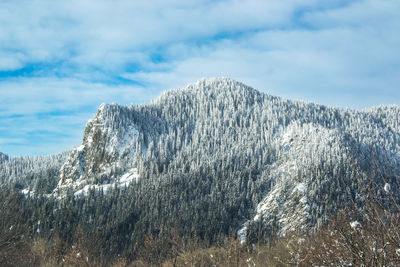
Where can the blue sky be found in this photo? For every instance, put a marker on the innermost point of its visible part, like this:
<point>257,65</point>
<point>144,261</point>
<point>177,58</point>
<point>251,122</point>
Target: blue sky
<point>59,60</point>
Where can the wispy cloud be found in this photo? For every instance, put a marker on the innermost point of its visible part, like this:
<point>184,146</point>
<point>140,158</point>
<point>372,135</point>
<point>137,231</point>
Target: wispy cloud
<point>60,60</point>
<point>48,115</point>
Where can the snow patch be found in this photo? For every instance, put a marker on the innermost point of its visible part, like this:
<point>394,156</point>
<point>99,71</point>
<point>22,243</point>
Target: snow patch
<point>287,138</point>
<point>387,187</point>
<point>301,188</point>
<point>124,181</point>
<point>128,177</point>
<point>28,193</point>
<point>242,232</point>
<point>102,106</point>
<point>355,224</point>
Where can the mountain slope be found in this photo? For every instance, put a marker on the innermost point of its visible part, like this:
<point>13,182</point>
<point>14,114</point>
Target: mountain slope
<point>216,154</point>
<point>292,162</point>
<point>32,174</point>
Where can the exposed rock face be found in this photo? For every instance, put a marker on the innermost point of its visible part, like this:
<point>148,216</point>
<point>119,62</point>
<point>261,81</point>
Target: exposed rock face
<point>108,149</point>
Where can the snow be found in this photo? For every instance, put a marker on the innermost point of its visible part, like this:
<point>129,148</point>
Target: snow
<point>355,224</point>
<point>304,200</point>
<point>287,138</point>
<point>242,232</point>
<point>144,150</point>
<point>124,181</point>
<point>101,107</point>
<point>124,143</point>
<point>301,188</point>
<point>28,193</point>
<point>268,203</point>
<point>25,191</point>
<point>128,177</point>
<point>301,146</point>
<point>119,144</point>
<point>84,191</point>
<point>387,187</point>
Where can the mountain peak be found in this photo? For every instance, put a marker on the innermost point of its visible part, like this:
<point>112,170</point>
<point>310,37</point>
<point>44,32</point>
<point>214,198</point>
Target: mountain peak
<point>217,83</point>
<point>3,157</point>
<point>214,80</point>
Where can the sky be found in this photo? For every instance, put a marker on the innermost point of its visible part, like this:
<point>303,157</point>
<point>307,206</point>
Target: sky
<point>59,60</point>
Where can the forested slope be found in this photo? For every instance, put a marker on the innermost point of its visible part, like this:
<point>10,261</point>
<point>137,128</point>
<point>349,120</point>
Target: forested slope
<point>205,160</point>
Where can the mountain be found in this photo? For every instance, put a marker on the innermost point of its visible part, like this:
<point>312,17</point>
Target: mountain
<point>294,151</point>
<point>216,155</point>
<point>39,173</point>
<point>3,157</point>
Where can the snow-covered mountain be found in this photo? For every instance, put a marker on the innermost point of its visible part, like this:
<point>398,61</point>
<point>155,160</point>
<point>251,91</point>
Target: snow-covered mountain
<point>262,159</point>
<point>3,157</point>
<point>106,156</point>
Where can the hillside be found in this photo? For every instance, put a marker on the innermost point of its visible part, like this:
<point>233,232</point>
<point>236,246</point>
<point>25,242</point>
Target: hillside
<point>211,159</point>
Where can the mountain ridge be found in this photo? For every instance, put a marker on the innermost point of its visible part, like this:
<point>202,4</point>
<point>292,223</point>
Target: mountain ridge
<point>233,154</point>
<point>241,99</point>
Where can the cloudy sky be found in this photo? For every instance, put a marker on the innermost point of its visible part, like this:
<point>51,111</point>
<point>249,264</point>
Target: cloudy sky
<point>60,59</point>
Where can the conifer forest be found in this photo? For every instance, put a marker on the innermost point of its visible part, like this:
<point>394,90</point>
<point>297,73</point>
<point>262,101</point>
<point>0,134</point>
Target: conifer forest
<point>214,174</point>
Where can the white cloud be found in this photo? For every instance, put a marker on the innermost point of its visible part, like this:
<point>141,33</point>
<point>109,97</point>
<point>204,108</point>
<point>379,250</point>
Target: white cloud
<point>111,33</point>
<point>328,64</point>
<point>48,115</point>
<point>329,52</point>
<point>37,95</point>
